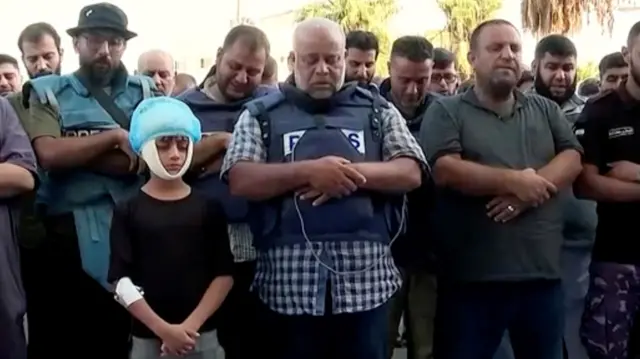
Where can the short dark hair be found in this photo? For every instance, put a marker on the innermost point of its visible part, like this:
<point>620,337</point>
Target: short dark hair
<point>271,68</point>
<point>525,76</point>
<point>555,45</point>
<point>633,33</point>
<point>443,58</point>
<point>413,48</point>
<point>251,36</point>
<point>363,40</point>
<point>611,61</point>
<point>36,31</point>
<point>475,34</point>
<point>589,87</point>
<point>8,59</point>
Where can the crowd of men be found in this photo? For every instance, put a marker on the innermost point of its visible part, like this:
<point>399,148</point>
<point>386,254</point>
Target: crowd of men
<point>326,209</point>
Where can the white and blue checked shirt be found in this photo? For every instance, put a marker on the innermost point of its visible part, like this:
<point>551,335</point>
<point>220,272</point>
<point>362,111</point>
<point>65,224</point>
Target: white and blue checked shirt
<point>289,279</point>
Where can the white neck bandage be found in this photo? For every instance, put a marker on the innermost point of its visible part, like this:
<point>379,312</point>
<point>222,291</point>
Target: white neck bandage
<point>149,154</point>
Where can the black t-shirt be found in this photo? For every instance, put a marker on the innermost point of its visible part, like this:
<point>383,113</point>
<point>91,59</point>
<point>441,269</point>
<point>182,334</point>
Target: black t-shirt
<point>609,128</point>
<point>172,250</point>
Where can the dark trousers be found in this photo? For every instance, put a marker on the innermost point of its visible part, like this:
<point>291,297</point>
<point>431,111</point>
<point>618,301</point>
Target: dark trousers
<point>472,318</point>
<point>238,329</point>
<point>333,336</point>
<point>65,305</point>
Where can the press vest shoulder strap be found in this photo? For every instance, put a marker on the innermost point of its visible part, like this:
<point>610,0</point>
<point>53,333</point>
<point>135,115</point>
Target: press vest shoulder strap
<point>145,83</point>
<point>46,89</point>
<point>264,104</point>
<point>259,109</point>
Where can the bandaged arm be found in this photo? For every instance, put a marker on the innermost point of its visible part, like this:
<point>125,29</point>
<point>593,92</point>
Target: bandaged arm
<point>130,296</point>
<point>120,269</point>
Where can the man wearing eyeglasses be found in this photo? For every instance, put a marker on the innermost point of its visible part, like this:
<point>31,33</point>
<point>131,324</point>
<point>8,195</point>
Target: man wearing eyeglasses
<point>444,78</point>
<point>79,132</point>
<point>158,65</point>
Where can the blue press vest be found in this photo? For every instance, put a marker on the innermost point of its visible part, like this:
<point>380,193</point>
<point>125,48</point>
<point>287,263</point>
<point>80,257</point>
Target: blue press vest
<point>89,196</point>
<point>352,130</point>
<point>217,117</point>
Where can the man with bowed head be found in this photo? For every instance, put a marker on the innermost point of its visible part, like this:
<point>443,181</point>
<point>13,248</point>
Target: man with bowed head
<point>78,128</point>
<point>326,165</point>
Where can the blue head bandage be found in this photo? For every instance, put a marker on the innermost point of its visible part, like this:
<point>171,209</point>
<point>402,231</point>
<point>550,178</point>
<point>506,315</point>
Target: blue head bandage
<point>158,117</point>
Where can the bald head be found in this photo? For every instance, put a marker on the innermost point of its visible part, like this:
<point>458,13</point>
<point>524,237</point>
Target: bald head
<point>322,41</point>
<point>158,65</point>
<point>317,26</point>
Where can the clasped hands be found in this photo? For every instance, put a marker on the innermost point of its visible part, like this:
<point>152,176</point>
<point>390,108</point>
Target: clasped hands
<point>330,177</point>
<point>527,189</point>
<point>178,339</point>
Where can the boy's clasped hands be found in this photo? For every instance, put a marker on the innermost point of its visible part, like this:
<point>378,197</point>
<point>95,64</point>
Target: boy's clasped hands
<point>178,339</point>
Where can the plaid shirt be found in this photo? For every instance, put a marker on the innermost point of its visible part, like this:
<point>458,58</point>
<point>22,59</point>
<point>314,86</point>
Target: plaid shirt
<point>289,279</point>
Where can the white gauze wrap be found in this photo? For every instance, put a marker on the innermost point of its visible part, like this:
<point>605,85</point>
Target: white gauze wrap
<point>127,293</point>
<point>150,156</point>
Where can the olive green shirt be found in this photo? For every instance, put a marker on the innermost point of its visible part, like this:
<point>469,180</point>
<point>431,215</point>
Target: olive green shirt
<point>471,246</point>
<point>31,230</point>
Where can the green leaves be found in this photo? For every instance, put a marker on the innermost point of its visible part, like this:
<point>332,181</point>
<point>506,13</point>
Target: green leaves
<point>369,15</point>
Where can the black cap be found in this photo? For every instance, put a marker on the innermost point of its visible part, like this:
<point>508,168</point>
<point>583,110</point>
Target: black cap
<point>102,16</point>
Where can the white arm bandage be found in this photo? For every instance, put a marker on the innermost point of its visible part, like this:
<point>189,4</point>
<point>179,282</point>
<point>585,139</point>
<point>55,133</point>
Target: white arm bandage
<point>127,293</point>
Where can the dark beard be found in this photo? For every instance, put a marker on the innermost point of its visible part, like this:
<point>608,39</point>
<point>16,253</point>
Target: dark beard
<point>634,73</point>
<point>57,71</point>
<point>500,90</point>
<point>543,90</point>
<point>98,77</point>
<point>360,81</point>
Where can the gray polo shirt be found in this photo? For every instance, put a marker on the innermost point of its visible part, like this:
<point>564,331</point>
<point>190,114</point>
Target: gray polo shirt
<point>470,245</point>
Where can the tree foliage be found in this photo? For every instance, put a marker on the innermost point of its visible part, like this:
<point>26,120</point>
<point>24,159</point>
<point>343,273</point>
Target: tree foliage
<point>587,70</point>
<point>369,15</point>
<point>543,17</point>
<point>462,17</point>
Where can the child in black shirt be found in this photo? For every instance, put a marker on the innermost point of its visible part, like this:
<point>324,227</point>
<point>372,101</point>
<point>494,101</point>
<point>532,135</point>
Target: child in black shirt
<point>170,259</point>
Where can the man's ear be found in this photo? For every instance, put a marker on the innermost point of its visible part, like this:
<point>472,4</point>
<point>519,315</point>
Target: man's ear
<point>219,54</point>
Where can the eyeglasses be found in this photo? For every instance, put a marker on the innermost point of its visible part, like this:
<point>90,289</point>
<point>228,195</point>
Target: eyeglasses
<point>95,42</point>
<point>448,78</point>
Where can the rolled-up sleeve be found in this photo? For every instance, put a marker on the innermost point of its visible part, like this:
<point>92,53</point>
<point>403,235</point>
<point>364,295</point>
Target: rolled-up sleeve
<point>15,147</point>
<point>246,144</point>
<point>42,120</point>
<point>397,140</point>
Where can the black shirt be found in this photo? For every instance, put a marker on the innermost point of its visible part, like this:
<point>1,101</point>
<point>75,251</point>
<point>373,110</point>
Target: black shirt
<point>610,131</point>
<point>172,250</point>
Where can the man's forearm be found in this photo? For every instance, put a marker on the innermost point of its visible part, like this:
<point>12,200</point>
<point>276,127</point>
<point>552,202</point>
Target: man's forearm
<point>141,310</point>
<point>14,180</point>
<point>601,188</point>
<point>72,152</point>
<point>471,178</point>
<point>563,169</point>
<point>262,181</point>
<point>207,150</point>
<point>400,174</point>
<point>211,301</point>
<point>112,163</point>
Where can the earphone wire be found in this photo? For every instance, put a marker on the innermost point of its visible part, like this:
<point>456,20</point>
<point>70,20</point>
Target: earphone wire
<point>316,255</point>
